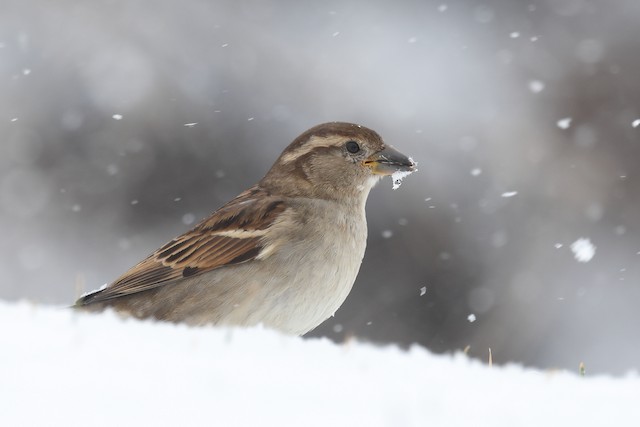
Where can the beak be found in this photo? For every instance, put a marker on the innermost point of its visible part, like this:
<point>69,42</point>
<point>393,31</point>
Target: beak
<point>388,161</point>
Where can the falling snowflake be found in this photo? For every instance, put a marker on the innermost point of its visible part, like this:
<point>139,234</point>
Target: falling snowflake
<point>536,86</point>
<point>564,123</point>
<point>583,250</point>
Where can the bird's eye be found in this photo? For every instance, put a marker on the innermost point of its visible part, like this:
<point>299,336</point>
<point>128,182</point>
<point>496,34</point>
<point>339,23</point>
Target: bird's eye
<point>352,147</point>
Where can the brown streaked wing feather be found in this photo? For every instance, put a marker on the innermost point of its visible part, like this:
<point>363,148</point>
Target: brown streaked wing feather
<point>203,248</point>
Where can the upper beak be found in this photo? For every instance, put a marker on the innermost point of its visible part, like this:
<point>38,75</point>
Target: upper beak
<point>388,161</point>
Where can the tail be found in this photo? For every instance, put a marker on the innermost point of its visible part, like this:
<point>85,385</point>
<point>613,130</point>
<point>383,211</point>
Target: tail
<point>90,301</point>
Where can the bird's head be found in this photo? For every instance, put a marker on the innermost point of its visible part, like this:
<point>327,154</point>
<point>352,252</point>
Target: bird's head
<point>335,161</point>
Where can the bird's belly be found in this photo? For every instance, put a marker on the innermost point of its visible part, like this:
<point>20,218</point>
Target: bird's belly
<point>297,298</point>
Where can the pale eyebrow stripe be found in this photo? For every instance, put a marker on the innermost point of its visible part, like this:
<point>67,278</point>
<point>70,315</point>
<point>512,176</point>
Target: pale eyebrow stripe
<point>313,143</point>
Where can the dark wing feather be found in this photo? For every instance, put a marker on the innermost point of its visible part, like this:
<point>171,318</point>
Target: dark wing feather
<point>231,235</point>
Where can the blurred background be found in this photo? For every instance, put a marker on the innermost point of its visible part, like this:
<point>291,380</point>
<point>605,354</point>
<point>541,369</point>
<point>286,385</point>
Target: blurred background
<point>123,123</point>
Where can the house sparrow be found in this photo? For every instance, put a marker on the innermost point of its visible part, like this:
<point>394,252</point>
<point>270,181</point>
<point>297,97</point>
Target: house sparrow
<point>284,253</point>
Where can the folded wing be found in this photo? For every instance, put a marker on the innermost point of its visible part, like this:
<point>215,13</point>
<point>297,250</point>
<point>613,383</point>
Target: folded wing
<point>231,235</point>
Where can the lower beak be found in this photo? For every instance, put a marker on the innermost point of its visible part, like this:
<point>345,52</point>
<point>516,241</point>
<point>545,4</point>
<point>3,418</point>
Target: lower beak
<point>388,161</point>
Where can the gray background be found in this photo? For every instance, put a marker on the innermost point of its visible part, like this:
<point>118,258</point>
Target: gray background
<point>459,85</point>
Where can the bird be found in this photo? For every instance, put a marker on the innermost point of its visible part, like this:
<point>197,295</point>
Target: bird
<point>283,254</point>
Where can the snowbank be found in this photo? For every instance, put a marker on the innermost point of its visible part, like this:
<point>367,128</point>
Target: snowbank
<point>64,368</point>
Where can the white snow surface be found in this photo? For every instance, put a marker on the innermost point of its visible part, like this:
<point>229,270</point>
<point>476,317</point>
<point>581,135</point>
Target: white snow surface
<point>60,367</point>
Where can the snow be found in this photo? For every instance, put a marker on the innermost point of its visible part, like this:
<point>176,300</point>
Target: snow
<point>398,176</point>
<point>583,250</point>
<point>635,123</point>
<point>423,291</point>
<point>117,117</point>
<point>564,123</point>
<point>536,86</point>
<point>508,194</point>
<point>66,368</point>
<point>112,169</point>
<point>188,218</point>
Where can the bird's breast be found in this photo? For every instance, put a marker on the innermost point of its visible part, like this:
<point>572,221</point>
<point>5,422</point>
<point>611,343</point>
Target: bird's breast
<point>313,264</point>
